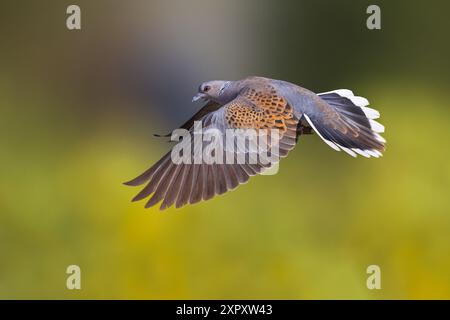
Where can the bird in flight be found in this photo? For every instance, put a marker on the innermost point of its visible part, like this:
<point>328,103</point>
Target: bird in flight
<point>342,120</point>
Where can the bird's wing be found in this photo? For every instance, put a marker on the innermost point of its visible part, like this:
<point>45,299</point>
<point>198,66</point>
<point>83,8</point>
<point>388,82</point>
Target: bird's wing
<point>181,183</point>
<point>209,107</point>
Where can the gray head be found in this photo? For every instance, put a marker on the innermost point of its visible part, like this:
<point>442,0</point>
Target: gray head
<point>216,90</point>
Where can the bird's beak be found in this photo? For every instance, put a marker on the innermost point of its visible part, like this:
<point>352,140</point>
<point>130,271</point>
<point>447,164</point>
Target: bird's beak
<point>199,96</point>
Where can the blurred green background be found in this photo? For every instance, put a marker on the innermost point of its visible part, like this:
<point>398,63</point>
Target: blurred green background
<point>77,113</point>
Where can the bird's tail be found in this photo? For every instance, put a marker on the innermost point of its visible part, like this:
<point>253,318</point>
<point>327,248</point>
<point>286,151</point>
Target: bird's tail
<point>354,130</point>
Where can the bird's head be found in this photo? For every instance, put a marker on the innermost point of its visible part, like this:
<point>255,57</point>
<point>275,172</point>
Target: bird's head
<point>212,90</point>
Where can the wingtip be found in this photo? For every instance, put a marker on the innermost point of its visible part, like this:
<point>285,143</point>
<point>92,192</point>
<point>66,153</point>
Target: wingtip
<point>163,207</point>
<point>136,198</point>
<point>148,205</point>
<point>131,183</point>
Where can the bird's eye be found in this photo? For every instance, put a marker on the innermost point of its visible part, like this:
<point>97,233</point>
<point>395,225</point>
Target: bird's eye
<point>206,88</point>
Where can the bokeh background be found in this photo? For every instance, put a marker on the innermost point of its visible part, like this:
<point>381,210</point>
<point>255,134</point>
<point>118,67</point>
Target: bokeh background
<point>77,114</point>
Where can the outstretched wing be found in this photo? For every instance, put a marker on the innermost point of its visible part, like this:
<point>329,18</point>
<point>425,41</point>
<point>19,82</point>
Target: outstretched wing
<point>182,183</point>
